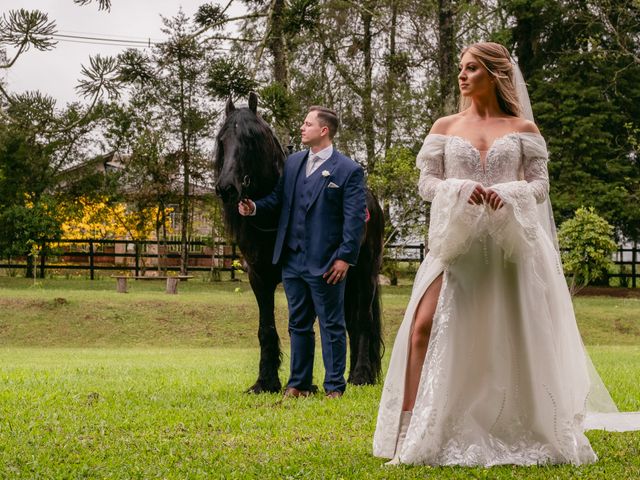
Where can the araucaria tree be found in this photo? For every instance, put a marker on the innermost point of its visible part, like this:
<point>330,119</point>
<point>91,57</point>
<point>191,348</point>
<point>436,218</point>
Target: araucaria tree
<point>171,115</point>
<point>38,140</point>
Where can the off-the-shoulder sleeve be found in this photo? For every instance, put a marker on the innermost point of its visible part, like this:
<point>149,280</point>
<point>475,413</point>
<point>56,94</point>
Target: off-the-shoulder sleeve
<point>534,161</point>
<point>430,162</point>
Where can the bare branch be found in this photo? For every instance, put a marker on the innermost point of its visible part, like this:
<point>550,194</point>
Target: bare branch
<point>363,9</point>
<point>102,4</point>
<point>6,95</point>
<point>224,10</point>
<point>621,42</point>
<point>101,77</point>
<point>223,21</point>
<point>23,29</point>
<point>263,42</point>
<point>342,69</point>
<point>18,53</point>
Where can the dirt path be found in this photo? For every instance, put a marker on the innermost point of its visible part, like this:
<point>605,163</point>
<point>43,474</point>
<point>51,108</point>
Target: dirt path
<point>610,292</point>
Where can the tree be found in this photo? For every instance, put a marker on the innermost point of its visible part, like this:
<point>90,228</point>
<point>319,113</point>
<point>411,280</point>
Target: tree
<point>39,140</point>
<point>101,218</point>
<point>350,56</point>
<point>274,33</point>
<point>174,116</point>
<point>582,82</point>
<point>149,180</point>
<point>395,180</point>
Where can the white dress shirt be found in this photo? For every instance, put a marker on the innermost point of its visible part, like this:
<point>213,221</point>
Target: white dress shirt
<point>313,163</point>
<point>316,159</point>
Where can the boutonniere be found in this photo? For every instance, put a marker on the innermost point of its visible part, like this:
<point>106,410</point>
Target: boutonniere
<point>325,173</point>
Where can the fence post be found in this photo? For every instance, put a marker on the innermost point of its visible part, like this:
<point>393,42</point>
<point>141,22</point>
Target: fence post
<point>91,259</point>
<point>421,252</point>
<point>43,261</point>
<point>136,248</point>
<point>634,253</point>
<point>233,258</point>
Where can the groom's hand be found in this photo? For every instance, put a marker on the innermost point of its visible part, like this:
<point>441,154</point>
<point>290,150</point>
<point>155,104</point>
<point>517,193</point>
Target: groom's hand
<point>337,272</point>
<point>246,207</point>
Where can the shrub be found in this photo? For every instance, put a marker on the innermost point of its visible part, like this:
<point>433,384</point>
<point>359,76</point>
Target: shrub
<point>587,243</point>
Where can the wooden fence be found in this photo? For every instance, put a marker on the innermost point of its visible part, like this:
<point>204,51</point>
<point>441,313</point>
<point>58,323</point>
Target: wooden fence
<point>626,260</point>
<point>136,256</point>
<point>140,256</point>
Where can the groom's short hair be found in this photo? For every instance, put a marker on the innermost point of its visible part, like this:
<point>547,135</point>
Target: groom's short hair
<point>327,118</point>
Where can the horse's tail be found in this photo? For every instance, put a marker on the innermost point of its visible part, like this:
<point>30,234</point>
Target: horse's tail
<point>376,343</point>
<point>376,223</point>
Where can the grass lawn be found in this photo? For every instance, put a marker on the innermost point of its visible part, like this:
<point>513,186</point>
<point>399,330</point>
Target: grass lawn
<point>146,385</point>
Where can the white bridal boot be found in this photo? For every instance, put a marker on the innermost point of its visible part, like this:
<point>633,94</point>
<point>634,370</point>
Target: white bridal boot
<point>405,420</point>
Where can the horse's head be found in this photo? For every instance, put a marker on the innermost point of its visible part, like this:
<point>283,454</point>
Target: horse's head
<point>249,157</point>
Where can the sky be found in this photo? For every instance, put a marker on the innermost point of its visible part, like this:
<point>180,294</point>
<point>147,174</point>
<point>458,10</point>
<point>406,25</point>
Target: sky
<point>56,72</point>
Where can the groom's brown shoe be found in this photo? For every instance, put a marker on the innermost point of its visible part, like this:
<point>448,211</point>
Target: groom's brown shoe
<point>293,392</point>
<point>333,394</point>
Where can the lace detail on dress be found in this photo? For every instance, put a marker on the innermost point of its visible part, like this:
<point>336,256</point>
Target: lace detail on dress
<point>430,162</point>
<point>535,159</point>
<point>536,173</point>
<point>453,222</point>
<point>515,156</point>
<point>492,451</point>
<point>444,429</point>
<point>515,226</point>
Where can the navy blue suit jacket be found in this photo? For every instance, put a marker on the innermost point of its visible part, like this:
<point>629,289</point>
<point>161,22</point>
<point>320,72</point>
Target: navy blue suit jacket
<point>335,219</point>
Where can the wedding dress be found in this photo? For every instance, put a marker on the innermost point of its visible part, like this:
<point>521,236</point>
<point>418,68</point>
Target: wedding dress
<point>506,379</point>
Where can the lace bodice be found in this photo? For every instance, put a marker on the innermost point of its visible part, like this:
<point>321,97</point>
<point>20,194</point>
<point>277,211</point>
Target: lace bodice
<point>512,157</point>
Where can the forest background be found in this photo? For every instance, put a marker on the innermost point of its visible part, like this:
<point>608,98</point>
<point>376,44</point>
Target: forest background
<point>388,67</point>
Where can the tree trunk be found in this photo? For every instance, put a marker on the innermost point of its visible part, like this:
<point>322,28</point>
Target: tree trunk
<point>392,80</point>
<point>368,116</point>
<point>186,172</point>
<point>447,57</point>
<point>165,247</point>
<point>524,36</point>
<point>184,233</point>
<point>278,46</point>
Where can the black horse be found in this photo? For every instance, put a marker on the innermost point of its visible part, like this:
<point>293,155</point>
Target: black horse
<point>249,162</point>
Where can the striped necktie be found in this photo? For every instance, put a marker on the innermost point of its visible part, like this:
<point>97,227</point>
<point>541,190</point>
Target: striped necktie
<point>312,162</point>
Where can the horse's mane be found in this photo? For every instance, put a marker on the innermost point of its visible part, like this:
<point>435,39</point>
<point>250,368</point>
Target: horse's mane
<point>262,155</point>
<point>252,131</point>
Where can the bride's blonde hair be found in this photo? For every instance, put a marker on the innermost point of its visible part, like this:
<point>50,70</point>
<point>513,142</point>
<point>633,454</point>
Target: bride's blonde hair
<point>497,60</point>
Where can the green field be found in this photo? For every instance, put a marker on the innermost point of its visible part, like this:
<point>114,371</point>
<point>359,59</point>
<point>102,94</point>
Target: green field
<point>146,385</point>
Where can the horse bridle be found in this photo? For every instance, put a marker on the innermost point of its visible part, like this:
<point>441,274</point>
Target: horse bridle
<point>246,181</point>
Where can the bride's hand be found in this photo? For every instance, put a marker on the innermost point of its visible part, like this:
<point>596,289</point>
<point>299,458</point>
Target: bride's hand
<point>477,196</point>
<point>493,199</point>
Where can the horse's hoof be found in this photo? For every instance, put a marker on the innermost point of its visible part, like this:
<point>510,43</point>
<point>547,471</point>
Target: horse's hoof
<point>358,382</point>
<point>361,377</point>
<point>260,387</point>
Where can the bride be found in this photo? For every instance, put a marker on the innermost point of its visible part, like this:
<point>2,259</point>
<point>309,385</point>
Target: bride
<point>488,366</point>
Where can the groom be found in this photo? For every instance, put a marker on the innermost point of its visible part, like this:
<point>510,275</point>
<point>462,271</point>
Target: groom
<point>320,201</point>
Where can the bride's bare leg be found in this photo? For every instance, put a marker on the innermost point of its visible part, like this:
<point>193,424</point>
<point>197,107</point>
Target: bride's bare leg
<point>419,340</point>
<point>418,343</point>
